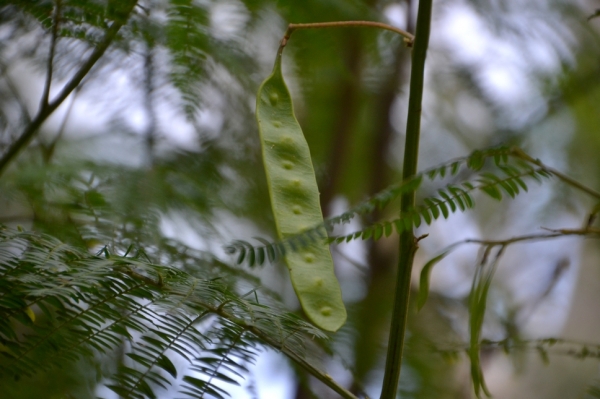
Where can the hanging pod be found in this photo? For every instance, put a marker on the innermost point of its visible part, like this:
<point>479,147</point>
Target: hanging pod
<point>295,202</point>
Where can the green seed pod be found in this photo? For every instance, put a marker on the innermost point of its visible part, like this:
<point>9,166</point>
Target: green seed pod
<point>295,202</point>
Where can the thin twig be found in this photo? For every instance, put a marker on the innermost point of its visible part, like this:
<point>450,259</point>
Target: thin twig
<point>361,267</point>
<point>49,151</point>
<point>559,233</point>
<point>517,152</point>
<point>408,37</point>
<point>55,22</point>
<point>26,117</point>
<point>552,345</point>
<point>150,133</point>
<point>553,233</point>
<point>349,24</point>
<point>43,114</point>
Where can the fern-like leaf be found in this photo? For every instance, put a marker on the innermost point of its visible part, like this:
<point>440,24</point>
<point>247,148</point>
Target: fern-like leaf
<point>73,304</point>
<point>450,199</point>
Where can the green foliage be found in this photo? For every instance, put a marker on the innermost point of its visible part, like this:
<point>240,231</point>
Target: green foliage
<point>71,304</point>
<point>188,40</point>
<point>425,277</point>
<point>94,277</point>
<point>509,178</point>
<point>477,306</point>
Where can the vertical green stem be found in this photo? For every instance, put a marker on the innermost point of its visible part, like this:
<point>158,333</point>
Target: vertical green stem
<point>408,245</point>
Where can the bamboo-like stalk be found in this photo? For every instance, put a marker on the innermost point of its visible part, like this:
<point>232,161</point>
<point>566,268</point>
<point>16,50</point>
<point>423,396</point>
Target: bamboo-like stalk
<point>407,239</point>
<point>408,244</point>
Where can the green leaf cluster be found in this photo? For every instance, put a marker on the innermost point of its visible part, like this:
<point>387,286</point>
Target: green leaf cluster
<point>507,174</point>
<point>71,304</point>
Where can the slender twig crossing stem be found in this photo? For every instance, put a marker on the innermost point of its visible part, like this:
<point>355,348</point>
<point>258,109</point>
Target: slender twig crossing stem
<point>408,243</point>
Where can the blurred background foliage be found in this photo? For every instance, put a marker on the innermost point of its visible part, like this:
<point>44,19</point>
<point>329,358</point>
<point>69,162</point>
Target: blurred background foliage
<point>159,143</point>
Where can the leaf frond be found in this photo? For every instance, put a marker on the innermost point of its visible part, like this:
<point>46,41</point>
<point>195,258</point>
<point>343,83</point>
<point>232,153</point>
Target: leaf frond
<point>451,199</point>
<point>73,304</point>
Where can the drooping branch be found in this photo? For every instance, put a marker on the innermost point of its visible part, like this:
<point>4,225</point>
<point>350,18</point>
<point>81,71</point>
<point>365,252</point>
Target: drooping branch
<point>44,112</point>
<point>299,360</point>
<point>552,234</point>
